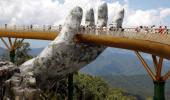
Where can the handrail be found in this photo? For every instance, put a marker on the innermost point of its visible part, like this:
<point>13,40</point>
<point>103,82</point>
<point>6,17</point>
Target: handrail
<point>155,48</point>
<point>146,42</point>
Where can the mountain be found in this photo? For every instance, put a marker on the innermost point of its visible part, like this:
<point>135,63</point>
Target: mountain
<point>141,85</point>
<point>4,54</point>
<point>35,51</point>
<point>122,69</point>
<point>119,62</point>
<point>2,51</point>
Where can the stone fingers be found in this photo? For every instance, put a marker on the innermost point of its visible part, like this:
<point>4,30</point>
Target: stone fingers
<point>102,17</point>
<point>89,18</point>
<point>118,18</point>
<point>71,25</point>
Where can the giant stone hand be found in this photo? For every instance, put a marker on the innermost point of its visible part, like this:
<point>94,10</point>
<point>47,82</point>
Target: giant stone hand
<point>61,57</point>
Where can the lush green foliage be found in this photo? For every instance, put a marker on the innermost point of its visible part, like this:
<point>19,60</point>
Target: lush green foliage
<point>87,87</point>
<point>22,52</point>
<point>95,88</point>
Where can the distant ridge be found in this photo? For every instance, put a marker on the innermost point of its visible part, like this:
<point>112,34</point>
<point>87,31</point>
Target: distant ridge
<point>35,51</point>
<point>2,51</point>
<point>118,62</point>
<point>111,62</point>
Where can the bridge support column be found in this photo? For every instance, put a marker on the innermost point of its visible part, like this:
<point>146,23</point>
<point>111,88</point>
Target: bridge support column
<point>159,90</point>
<point>12,56</point>
<point>158,80</point>
<point>70,87</point>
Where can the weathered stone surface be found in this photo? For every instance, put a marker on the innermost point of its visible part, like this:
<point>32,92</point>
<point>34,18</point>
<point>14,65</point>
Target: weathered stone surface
<point>102,15</point>
<point>7,69</point>
<point>61,57</point>
<point>22,87</point>
<point>89,18</point>
<point>118,18</point>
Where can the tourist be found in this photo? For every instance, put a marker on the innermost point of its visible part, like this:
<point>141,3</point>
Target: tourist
<point>49,27</point>
<point>137,29</point>
<point>141,29</point>
<point>153,29</point>
<point>121,29</point>
<point>31,27</point>
<point>5,26</point>
<point>60,27</point>
<point>165,30</point>
<point>160,30</point>
<point>146,29</point>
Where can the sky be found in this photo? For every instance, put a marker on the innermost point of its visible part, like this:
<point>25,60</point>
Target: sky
<point>53,12</point>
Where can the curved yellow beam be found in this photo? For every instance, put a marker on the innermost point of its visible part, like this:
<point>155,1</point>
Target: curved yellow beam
<point>41,35</point>
<point>154,48</point>
<point>145,65</point>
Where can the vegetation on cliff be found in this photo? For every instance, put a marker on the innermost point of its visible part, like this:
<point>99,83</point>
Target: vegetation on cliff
<point>87,87</point>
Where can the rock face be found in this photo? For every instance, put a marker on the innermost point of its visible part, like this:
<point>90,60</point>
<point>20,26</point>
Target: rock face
<point>7,69</point>
<point>118,18</point>
<point>89,18</point>
<point>102,15</point>
<point>22,87</point>
<point>61,57</point>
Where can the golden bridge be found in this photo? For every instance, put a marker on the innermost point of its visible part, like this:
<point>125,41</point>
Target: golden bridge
<point>154,43</point>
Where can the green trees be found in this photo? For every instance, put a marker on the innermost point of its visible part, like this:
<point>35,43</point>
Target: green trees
<point>89,87</point>
<point>21,52</point>
<point>86,87</point>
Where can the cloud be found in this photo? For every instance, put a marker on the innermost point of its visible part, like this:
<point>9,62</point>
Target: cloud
<point>30,11</point>
<point>54,12</point>
<point>164,12</point>
<point>141,17</point>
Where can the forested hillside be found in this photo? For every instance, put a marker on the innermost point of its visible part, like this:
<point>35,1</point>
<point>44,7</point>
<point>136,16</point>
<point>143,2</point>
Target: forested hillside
<point>140,85</point>
<point>87,87</point>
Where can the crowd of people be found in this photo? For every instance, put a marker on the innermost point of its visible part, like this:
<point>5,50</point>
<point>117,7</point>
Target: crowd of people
<point>142,29</point>
<point>152,29</point>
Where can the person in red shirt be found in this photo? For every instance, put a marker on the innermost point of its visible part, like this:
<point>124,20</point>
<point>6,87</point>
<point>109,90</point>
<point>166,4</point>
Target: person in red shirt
<point>161,30</point>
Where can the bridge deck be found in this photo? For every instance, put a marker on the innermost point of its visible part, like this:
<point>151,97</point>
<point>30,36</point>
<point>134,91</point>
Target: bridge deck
<point>155,48</point>
<point>153,43</point>
<point>41,35</point>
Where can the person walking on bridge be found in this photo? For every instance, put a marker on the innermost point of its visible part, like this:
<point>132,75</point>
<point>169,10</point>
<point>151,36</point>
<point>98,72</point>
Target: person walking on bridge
<point>165,30</point>
<point>160,30</point>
